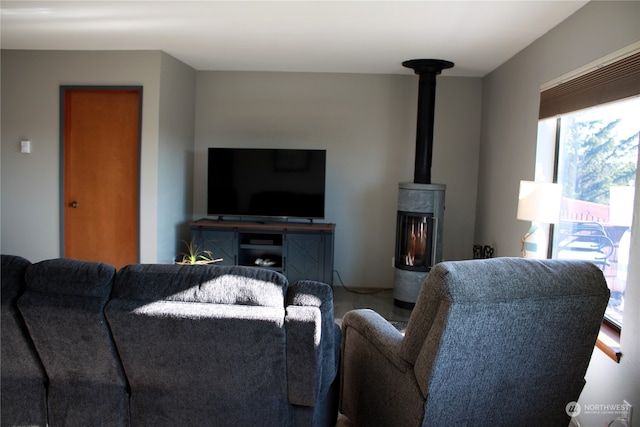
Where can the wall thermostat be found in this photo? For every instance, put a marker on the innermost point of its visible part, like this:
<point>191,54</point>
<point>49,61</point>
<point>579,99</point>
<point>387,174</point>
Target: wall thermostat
<point>25,146</point>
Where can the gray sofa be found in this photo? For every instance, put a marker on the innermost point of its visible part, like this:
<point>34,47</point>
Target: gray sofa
<point>24,383</point>
<point>500,342</point>
<point>167,345</point>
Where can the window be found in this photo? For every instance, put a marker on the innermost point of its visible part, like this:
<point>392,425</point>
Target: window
<point>597,154</point>
<point>588,137</point>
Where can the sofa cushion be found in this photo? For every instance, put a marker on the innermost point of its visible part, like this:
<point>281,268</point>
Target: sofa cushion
<point>71,277</point>
<point>201,283</point>
<point>63,309</point>
<point>23,381</point>
<point>202,345</point>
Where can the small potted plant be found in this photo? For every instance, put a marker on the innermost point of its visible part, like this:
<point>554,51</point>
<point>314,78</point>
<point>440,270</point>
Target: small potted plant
<point>196,256</point>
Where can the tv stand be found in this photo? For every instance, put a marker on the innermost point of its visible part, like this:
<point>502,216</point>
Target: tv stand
<point>300,251</point>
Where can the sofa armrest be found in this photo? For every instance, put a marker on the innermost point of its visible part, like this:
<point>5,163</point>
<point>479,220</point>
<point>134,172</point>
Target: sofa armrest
<point>382,335</point>
<point>313,342</point>
<point>303,356</point>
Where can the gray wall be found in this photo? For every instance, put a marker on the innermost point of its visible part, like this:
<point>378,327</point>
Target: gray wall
<point>367,125</point>
<point>30,183</point>
<point>366,122</point>
<point>508,149</point>
<point>175,157</point>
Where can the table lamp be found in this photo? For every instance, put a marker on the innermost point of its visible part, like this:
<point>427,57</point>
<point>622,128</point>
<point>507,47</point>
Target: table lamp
<point>538,202</point>
<point>621,205</point>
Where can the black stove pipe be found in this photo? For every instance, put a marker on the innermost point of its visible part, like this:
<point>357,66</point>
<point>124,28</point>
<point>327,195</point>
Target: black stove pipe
<point>427,69</point>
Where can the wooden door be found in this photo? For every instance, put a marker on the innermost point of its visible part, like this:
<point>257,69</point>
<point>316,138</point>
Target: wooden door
<point>101,146</point>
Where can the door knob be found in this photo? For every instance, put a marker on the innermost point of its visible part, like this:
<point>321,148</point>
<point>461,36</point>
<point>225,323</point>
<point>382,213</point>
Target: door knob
<point>73,204</point>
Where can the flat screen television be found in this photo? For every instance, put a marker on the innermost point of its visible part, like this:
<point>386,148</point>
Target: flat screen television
<point>259,182</point>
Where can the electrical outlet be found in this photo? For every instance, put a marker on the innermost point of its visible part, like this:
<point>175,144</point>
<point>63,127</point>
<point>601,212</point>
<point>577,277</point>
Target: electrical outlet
<point>629,412</point>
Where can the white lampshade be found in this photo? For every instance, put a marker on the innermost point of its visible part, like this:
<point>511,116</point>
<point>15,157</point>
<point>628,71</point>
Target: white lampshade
<point>539,201</point>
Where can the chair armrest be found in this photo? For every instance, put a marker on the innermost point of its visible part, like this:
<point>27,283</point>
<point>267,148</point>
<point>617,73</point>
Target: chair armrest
<point>382,335</point>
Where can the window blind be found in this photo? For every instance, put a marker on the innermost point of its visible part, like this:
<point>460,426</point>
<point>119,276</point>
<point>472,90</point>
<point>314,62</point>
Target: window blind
<point>615,81</point>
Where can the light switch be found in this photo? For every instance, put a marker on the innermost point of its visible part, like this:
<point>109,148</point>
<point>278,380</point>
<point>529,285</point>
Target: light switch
<point>25,146</point>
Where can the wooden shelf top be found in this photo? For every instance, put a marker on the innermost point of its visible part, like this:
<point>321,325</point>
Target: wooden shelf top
<point>280,225</point>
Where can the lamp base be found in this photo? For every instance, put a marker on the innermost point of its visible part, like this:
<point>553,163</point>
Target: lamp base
<point>534,243</point>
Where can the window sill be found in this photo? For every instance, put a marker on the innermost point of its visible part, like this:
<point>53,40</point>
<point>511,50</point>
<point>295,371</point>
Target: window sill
<point>609,342</point>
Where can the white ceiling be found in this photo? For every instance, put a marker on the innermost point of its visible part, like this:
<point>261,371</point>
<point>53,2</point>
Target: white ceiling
<point>321,36</point>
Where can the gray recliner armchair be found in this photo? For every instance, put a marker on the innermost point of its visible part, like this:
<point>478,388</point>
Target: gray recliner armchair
<point>502,341</point>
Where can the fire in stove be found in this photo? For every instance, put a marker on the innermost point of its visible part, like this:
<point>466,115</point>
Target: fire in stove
<point>414,249</point>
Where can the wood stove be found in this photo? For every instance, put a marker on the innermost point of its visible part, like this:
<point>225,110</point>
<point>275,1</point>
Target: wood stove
<point>420,203</point>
